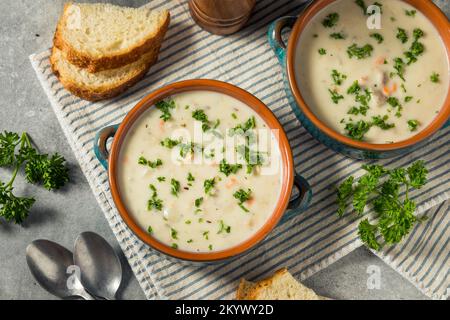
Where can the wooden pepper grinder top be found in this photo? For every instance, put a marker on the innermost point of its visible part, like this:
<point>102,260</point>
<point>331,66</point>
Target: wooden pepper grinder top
<point>221,16</point>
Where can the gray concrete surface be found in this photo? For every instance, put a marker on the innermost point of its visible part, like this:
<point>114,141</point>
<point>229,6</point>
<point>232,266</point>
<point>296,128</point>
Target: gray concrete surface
<point>27,26</point>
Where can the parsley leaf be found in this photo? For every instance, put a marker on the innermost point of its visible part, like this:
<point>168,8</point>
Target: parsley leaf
<point>228,169</point>
<point>330,20</point>
<point>165,107</point>
<point>395,216</point>
<point>359,52</point>
<point>48,170</point>
<point>175,187</point>
<point>208,185</point>
<point>377,37</point>
<point>412,124</point>
<point>434,77</point>
<point>402,35</point>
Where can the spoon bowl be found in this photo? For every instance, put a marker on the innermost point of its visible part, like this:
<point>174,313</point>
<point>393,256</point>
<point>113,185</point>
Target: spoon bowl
<point>101,271</point>
<point>53,268</point>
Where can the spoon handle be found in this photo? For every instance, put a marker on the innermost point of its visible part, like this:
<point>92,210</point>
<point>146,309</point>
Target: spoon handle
<point>85,295</point>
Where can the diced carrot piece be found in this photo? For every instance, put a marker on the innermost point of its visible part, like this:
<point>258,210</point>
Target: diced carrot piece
<point>394,87</point>
<point>231,183</point>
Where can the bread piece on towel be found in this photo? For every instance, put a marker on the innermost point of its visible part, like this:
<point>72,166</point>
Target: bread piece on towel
<point>104,36</point>
<point>101,85</point>
<point>280,286</point>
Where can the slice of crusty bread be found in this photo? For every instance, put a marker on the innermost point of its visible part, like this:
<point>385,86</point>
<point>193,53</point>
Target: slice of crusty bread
<point>101,85</point>
<point>244,289</point>
<point>104,36</point>
<point>280,286</point>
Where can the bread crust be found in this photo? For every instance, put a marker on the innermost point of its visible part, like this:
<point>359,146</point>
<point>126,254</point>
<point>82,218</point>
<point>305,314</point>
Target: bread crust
<point>252,294</point>
<point>106,62</point>
<point>243,289</point>
<point>104,92</point>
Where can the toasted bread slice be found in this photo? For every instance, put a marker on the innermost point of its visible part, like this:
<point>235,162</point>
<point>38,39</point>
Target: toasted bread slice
<point>101,85</point>
<point>100,37</point>
<point>243,289</point>
<point>280,286</point>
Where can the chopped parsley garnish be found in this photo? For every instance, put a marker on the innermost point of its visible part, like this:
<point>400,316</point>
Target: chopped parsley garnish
<point>362,5</point>
<point>395,216</point>
<point>354,88</point>
<point>252,158</point>
<point>151,164</point>
<point>338,78</point>
<point>174,233</point>
<point>150,229</point>
<point>322,51</point>
<point>201,116</point>
<point>357,130</point>
<point>188,222</point>
<point>417,48</point>
<point>380,122</point>
<point>206,235</point>
<point>362,97</point>
<point>189,148</point>
<point>223,227</point>
<point>234,116</point>
<point>154,202</point>
<point>358,110</point>
<point>417,33</point>
<point>337,36</point>
<point>210,247</point>
<point>243,196</point>
<point>165,107</point>
<point>190,241</point>
<point>330,20</point>
<point>360,52</point>
<point>408,98</point>
<point>208,185</point>
<point>434,77</point>
<point>335,96</point>
<point>190,177</point>
<point>395,103</point>
<point>377,37</point>
<point>402,35</point>
<point>161,179</point>
<point>175,186</point>
<point>170,143</point>
<point>244,127</point>
<point>413,124</point>
<point>399,66</point>
<point>410,13</point>
<point>174,245</point>
<point>228,169</point>
<point>198,202</point>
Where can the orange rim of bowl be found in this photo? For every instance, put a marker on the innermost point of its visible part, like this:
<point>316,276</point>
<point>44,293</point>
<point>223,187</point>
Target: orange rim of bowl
<point>286,165</point>
<point>434,15</point>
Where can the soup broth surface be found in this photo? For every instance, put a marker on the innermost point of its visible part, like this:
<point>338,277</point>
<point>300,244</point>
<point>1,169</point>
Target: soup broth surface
<point>376,85</point>
<point>178,187</point>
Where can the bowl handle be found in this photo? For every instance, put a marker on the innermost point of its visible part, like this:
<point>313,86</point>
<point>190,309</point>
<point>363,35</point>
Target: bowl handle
<point>275,36</point>
<point>301,201</point>
<point>101,138</point>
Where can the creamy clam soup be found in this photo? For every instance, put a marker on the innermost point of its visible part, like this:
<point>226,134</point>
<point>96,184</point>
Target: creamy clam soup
<point>375,85</point>
<point>200,171</point>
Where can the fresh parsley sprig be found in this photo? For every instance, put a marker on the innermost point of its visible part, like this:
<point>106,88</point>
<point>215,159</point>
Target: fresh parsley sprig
<point>48,170</point>
<point>395,216</point>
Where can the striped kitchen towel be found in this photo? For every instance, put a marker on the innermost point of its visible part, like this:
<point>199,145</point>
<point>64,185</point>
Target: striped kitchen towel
<point>305,244</point>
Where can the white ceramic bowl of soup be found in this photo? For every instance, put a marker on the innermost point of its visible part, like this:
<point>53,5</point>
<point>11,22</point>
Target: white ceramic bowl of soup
<point>368,93</point>
<point>177,185</point>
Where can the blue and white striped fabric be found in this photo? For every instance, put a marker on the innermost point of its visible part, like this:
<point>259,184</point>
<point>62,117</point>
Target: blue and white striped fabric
<point>304,244</point>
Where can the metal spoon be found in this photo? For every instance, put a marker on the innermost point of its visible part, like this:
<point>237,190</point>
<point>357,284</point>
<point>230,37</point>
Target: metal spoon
<point>51,266</point>
<point>101,271</point>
